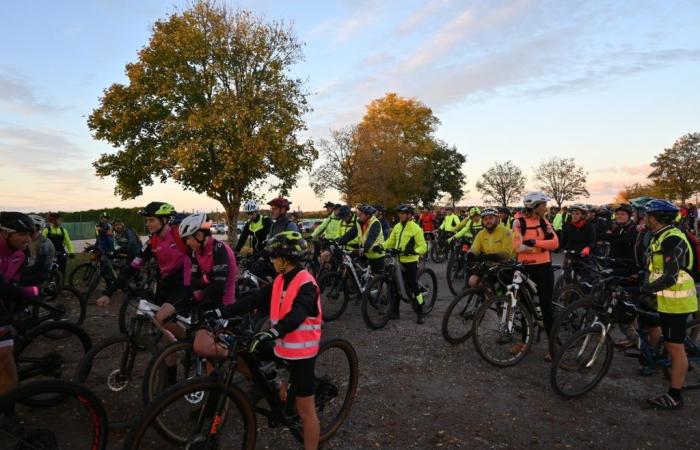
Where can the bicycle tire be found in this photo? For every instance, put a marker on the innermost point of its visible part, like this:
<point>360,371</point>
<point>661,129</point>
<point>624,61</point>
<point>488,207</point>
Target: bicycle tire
<point>124,317</point>
<point>568,295</point>
<point>571,319</point>
<point>452,282</point>
<point>85,399</point>
<point>429,297</point>
<point>84,278</point>
<point>526,331</point>
<point>372,303</point>
<point>109,384</point>
<point>461,310</point>
<point>156,366</point>
<point>148,417</point>
<point>74,304</point>
<point>53,284</point>
<point>592,335</point>
<point>437,255</point>
<point>692,350</point>
<point>335,301</point>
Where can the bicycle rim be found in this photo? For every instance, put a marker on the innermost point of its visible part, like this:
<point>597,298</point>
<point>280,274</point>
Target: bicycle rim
<point>376,303</point>
<point>500,341</point>
<point>334,295</point>
<point>457,321</point>
<point>427,283</point>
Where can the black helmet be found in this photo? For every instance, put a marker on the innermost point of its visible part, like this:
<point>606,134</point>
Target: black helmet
<point>158,209</point>
<point>289,245</point>
<point>344,212</point>
<point>329,205</point>
<point>405,208</point>
<point>16,222</point>
<point>626,207</point>
<point>380,208</point>
<point>367,209</point>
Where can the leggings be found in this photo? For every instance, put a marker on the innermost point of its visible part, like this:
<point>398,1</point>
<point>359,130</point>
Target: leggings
<point>411,278</point>
<point>543,276</point>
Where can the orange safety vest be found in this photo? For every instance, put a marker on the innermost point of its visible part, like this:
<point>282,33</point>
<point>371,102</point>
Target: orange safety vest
<point>303,342</point>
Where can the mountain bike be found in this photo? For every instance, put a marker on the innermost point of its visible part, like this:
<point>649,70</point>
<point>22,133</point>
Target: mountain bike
<point>75,420</point>
<point>457,267</point>
<point>584,360</point>
<point>336,286</point>
<point>383,288</point>
<point>213,411</point>
<point>66,304</point>
<point>85,277</point>
<point>440,249</point>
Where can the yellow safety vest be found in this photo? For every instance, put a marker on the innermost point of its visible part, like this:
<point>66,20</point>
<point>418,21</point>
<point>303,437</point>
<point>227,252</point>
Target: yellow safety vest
<point>681,297</point>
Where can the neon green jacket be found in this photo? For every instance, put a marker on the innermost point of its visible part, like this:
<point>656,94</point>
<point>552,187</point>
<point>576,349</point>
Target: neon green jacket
<point>408,235</point>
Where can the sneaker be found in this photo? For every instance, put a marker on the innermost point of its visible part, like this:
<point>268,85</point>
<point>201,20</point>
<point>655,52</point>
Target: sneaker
<point>665,401</point>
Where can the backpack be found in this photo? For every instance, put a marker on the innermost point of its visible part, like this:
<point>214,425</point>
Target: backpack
<point>695,248</point>
<point>524,227</point>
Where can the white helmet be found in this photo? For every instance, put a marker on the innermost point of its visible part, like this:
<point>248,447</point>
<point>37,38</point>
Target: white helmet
<point>489,212</point>
<point>39,222</point>
<point>191,224</point>
<point>533,199</point>
<point>579,206</point>
<point>251,206</point>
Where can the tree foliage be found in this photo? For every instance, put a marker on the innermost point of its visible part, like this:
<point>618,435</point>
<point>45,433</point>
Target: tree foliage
<point>502,184</point>
<point>678,168</point>
<point>443,175</point>
<point>635,190</point>
<point>561,179</point>
<point>338,167</point>
<point>210,104</point>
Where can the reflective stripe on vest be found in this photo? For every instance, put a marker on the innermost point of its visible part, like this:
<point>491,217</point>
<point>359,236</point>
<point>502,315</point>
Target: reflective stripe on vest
<point>681,297</point>
<point>257,225</point>
<point>363,237</point>
<point>303,342</point>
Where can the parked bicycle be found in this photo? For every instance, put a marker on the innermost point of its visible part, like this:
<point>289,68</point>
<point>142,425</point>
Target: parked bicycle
<point>457,268</point>
<point>337,286</point>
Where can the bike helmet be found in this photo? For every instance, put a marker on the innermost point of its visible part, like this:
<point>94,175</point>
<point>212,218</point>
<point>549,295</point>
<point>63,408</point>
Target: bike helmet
<point>329,205</point>
<point>581,207</point>
<point>405,208</point>
<point>489,212</point>
<point>344,212</point>
<point>191,224</point>
<point>280,202</point>
<point>158,209</point>
<point>39,222</point>
<point>380,208</point>
<point>626,208</point>
<point>16,222</point>
<point>504,210</point>
<point>474,210</point>
<point>533,199</point>
<point>640,202</point>
<point>289,245</point>
<point>367,209</point>
<point>250,206</point>
<point>663,210</point>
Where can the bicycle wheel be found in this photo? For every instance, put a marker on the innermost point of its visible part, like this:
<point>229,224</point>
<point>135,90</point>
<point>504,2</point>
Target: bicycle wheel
<point>53,285</point>
<point>334,295</point>
<point>568,295</point>
<point>496,341</point>
<point>68,304</point>
<point>113,369</point>
<point>127,308</point>
<point>427,283</point>
<point>172,364</point>
<point>376,302</point>
<point>581,363</point>
<point>457,321</point>
<point>337,374</point>
<point>692,350</point>
<point>76,421</point>
<point>457,274</point>
<point>438,253</point>
<point>39,354</point>
<point>84,277</point>
<point>189,412</point>
<point>575,317</point>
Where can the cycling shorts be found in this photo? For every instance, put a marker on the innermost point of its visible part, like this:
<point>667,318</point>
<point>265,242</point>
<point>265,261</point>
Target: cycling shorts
<point>673,327</point>
<point>302,376</point>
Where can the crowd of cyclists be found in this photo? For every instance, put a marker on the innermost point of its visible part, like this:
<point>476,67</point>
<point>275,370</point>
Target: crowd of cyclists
<point>197,273</point>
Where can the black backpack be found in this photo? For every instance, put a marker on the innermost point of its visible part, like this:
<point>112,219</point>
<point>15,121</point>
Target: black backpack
<point>543,224</point>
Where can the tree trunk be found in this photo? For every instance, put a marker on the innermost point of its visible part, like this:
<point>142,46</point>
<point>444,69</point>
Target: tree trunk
<point>231,210</point>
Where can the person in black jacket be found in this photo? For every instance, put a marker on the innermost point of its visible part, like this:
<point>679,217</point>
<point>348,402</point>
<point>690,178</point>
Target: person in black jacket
<point>579,234</point>
<point>127,240</point>
<point>257,228</point>
<point>622,238</point>
<point>386,227</point>
<point>278,210</point>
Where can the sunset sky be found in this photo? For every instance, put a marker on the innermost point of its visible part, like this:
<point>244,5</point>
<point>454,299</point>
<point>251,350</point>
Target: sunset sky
<point>608,83</point>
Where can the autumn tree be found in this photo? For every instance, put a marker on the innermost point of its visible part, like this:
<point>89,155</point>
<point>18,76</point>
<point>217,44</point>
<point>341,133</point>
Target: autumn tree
<point>561,179</point>
<point>678,168</point>
<point>209,104</point>
<point>338,167</point>
<point>502,184</point>
<point>443,175</point>
<point>635,190</point>
<point>395,141</point>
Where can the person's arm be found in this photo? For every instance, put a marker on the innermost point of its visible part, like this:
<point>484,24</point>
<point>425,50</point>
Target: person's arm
<point>590,237</point>
<point>506,250</point>
<point>462,225</point>
<point>67,243</point>
<point>321,228</point>
<point>477,245</point>
<point>564,236</point>
<point>548,244</point>
<point>303,305</point>
<point>348,236</point>
<point>674,253</point>
<point>391,241</point>
<point>420,246</point>
<point>259,300</point>
<point>243,237</point>
<point>372,234</point>
<point>214,291</point>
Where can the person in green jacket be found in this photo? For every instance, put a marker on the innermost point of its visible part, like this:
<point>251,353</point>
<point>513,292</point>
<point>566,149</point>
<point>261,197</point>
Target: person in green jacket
<point>60,239</point>
<point>407,237</point>
<point>450,222</point>
<point>329,227</point>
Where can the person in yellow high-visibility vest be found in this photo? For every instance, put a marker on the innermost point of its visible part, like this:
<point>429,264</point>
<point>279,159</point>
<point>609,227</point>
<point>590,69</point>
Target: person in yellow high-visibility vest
<point>671,262</point>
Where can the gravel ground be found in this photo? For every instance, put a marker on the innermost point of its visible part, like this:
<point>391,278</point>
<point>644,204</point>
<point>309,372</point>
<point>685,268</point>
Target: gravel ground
<point>417,391</point>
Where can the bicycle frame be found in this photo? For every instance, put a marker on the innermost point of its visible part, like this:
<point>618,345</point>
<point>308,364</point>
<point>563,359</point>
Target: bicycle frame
<point>349,264</point>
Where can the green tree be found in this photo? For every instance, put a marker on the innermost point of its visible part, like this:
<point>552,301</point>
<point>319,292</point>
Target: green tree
<point>338,167</point>
<point>209,104</point>
<point>678,168</point>
<point>561,179</point>
<point>502,184</point>
<point>443,175</point>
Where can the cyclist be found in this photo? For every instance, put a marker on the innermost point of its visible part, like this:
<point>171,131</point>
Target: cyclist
<point>407,237</point>
<point>533,240</point>
<point>60,239</point>
<point>256,228</point>
<point>495,240</point>
<point>294,305</point>
<point>278,210</point>
<point>368,234</point>
<point>469,226</point>
<point>127,240</point>
<point>328,229</point>
<point>40,255</point>
<point>560,219</point>
<point>622,237</point>
<point>105,235</point>
<point>505,218</point>
<point>386,227</point>
<point>670,264</point>
<point>16,230</point>
<point>427,222</point>
<point>450,222</point>
<point>170,253</point>
<point>578,235</point>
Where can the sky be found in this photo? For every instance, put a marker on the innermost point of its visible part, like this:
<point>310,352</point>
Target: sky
<point>610,84</point>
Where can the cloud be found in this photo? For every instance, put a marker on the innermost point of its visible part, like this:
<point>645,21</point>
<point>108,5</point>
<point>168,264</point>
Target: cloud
<point>27,148</point>
<point>419,17</point>
<point>643,170</point>
<point>18,96</point>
